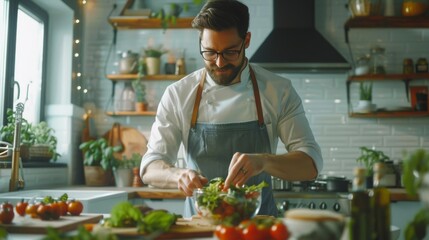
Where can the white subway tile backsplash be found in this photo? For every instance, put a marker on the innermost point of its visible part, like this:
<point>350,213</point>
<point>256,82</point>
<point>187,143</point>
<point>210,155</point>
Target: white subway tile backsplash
<point>361,140</point>
<point>401,141</point>
<point>323,95</point>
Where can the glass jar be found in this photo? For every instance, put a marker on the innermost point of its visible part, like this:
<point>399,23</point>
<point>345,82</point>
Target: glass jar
<point>414,7</point>
<point>362,65</point>
<point>361,8</point>
<point>408,66</point>
<point>421,65</point>
<point>377,60</point>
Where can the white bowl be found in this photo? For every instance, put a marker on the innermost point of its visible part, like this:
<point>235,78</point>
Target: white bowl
<point>314,224</point>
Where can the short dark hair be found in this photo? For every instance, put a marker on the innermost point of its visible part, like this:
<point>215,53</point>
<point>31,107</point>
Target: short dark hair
<point>221,15</point>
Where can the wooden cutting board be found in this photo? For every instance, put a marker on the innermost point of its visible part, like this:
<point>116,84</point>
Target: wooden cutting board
<point>37,226</point>
<point>195,228</point>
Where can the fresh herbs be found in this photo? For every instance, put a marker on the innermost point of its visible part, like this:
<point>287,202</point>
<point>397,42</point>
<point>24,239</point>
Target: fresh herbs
<point>415,166</point>
<point>124,214</point>
<point>370,156</point>
<point>416,229</point>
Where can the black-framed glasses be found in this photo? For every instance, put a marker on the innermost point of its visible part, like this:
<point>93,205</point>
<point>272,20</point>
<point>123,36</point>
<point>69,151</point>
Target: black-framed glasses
<point>228,55</point>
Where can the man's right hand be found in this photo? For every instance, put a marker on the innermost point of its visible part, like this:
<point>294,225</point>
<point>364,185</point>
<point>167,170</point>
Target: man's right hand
<point>189,180</point>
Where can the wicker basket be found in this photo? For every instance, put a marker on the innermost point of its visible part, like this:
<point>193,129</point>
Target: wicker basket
<point>37,153</point>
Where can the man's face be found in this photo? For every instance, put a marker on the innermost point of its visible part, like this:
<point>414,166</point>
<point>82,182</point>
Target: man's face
<point>228,45</point>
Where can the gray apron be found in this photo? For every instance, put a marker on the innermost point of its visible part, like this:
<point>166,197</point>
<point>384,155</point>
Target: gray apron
<point>211,147</point>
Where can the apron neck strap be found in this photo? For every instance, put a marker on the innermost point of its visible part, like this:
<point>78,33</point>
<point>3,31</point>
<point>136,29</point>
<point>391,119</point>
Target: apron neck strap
<point>255,93</point>
<point>198,100</point>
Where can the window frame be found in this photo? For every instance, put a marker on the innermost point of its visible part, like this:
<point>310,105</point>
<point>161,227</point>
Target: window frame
<point>42,15</point>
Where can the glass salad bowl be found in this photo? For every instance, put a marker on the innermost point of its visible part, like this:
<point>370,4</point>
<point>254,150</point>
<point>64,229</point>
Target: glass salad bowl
<point>230,207</point>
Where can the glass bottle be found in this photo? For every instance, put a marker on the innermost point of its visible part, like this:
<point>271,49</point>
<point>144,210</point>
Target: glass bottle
<point>381,197</point>
<point>362,206</point>
<point>377,58</point>
<point>128,97</point>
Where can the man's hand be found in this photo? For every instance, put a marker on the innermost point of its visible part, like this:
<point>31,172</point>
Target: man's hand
<point>242,167</point>
<point>190,180</point>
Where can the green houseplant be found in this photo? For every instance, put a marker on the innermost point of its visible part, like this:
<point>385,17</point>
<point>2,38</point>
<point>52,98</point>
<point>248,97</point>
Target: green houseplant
<point>152,59</point>
<point>123,170</point>
<point>140,88</point>
<point>367,158</point>
<point>38,141</point>
<point>370,156</point>
<point>365,98</point>
<point>365,91</point>
<point>98,161</point>
<point>416,180</point>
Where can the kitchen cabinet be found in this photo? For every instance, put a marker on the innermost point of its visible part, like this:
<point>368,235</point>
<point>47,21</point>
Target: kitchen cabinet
<point>385,22</point>
<point>140,23</point>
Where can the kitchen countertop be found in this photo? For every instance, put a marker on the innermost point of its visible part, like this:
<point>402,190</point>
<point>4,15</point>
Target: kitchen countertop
<point>396,194</point>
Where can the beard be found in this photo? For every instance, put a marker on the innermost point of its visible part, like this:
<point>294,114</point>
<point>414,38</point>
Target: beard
<point>225,75</point>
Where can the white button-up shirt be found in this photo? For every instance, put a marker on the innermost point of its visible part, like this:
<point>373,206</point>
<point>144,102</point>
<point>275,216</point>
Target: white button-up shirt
<point>283,113</point>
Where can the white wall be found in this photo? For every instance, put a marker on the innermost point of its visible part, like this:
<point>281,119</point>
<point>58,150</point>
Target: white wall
<point>324,95</point>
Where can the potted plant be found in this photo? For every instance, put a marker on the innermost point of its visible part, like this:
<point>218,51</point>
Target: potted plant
<point>416,180</point>
<point>365,98</point>
<point>38,142</point>
<point>123,171</point>
<point>153,59</point>
<point>98,161</point>
<point>140,88</point>
<point>368,157</point>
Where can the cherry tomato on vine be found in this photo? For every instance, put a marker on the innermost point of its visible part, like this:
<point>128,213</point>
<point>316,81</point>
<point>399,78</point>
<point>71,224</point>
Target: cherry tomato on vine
<point>20,207</point>
<point>44,211</point>
<point>31,210</point>
<point>55,210</point>
<point>75,207</point>
<point>63,208</point>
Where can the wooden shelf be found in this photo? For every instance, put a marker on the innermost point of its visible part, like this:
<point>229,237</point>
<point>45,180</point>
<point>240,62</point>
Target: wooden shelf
<point>131,113</point>
<point>389,114</point>
<point>162,77</point>
<point>387,22</point>
<point>134,22</point>
<point>383,77</point>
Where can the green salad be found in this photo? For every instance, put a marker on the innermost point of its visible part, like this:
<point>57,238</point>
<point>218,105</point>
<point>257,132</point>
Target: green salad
<point>230,207</point>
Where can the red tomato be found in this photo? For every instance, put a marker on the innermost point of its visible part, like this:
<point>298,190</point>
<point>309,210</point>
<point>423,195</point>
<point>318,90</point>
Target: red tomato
<point>55,211</point>
<point>253,232</point>
<point>20,207</point>
<point>75,207</point>
<point>44,211</point>
<point>279,231</point>
<point>6,213</point>
<point>31,210</point>
<point>223,232</point>
<point>63,208</point>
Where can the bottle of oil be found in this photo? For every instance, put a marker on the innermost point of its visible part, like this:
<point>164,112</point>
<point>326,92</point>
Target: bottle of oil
<point>362,207</point>
<point>381,204</point>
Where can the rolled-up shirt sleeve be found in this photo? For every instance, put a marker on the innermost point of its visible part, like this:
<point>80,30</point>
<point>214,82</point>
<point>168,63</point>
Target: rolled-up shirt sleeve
<point>294,129</point>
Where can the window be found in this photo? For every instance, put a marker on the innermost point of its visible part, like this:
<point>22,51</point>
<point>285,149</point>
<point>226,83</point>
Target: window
<point>25,33</point>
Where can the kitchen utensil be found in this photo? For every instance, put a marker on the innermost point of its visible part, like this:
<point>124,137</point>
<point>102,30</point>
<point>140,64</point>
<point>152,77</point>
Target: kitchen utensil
<point>128,62</point>
<point>38,226</point>
<point>336,184</point>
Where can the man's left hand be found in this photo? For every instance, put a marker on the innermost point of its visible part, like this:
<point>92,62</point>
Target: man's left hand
<point>242,167</point>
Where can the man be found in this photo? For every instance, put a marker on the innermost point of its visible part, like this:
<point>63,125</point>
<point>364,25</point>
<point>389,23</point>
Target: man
<point>229,117</point>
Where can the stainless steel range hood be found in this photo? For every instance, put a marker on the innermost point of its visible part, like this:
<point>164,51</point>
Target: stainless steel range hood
<point>295,43</point>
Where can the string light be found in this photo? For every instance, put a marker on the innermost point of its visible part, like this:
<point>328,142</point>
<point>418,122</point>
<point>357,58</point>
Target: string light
<point>77,74</point>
